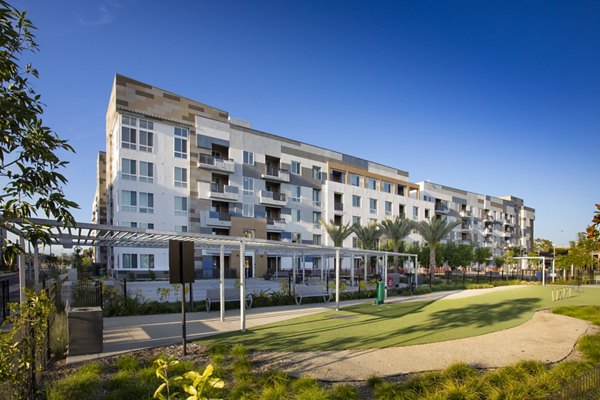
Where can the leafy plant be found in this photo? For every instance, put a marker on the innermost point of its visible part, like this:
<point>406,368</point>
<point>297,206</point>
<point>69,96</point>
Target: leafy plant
<point>194,388</point>
<point>199,382</point>
<point>162,372</point>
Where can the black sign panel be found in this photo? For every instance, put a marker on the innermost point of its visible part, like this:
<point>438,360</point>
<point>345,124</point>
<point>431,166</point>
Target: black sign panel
<point>181,262</point>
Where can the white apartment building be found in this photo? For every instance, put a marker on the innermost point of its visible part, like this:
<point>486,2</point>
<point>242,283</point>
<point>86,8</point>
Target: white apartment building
<point>173,164</point>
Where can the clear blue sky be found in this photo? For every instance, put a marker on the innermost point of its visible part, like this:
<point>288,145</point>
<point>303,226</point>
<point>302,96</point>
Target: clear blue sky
<point>495,97</point>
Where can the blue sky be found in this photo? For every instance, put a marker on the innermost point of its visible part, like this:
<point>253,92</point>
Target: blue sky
<point>495,97</point>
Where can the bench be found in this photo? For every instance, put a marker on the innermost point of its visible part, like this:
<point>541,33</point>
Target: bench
<point>301,292</point>
<point>231,294</point>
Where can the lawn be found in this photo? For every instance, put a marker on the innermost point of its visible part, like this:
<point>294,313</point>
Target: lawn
<point>367,326</point>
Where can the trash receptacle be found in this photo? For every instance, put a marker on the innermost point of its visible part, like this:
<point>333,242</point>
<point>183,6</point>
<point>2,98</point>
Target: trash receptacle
<point>85,326</point>
<point>380,293</point>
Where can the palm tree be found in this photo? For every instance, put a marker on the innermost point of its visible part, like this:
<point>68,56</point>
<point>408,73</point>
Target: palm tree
<point>337,233</point>
<point>396,230</point>
<point>433,232</point>
<point>368,236</point>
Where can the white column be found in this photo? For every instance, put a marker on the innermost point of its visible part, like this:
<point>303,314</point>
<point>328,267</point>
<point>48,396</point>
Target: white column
<point>337,279</point>
<point>365,267</point>
<point>22,268</point>
<point>543,271</point>
<point>416,270</point>
<point>553,270</point>
<point>322,267</point>
<point>36,266</point>
<point>385,272</point>
<point>222,282</point>
<point>303,269</point>
<point>294,271</point>
<point>243,286</point>
<point>352,271</point>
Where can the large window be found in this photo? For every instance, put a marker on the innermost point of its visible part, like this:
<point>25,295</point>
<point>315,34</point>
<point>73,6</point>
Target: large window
<point>146,141</point>
<point>180,178</point>
<point>146,261</point>
<point>128,169</point>
<point>316,173</point>
<point>181,228</point>
<point>137,139</point>
<point>316,220</point>
<point>128,138</point>
<point>373,206</point>
<point>146,171</point>
<point>181,208</point>
<point>355,180</point>
<point>388,208</point>
<point>355,220</point>
<point>415,213</point>
<point>248,188</point>
<point>129,200</point>
<point>296,190</point>
<point>316,197</point>
<point>316,240</point>
<point>180,144</point>
<point>371,183</point>
<point>355,201</point>
<point>248,210</point>
<point>295,215</point>
<point>296,167</point>
<point>130,261</point>
<point>146,203</point>
<point>248,158</point>
<point>386,187</point>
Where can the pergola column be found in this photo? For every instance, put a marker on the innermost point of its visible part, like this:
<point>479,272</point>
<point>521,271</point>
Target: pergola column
<point>337,279</point>
<point>242,286</point>
<point>294,271</point>
<point>385,272</point>
<point>222,282</point>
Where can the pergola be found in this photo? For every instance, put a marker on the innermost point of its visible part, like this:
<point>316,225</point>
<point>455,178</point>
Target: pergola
<point>543,259</point>
<point>96,235</point>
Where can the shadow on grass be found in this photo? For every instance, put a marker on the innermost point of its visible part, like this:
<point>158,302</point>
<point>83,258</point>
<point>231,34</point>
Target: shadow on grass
<point>382,326</point>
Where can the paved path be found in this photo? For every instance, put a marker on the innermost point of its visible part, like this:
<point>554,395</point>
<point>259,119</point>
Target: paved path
<point>546,337</point>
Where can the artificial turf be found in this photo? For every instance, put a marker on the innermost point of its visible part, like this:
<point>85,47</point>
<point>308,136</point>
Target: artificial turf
<point>366,326</point>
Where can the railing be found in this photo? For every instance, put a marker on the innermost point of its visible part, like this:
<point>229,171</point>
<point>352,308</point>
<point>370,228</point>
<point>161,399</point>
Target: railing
<point>212,160</point>
<point>221,216</point>
<point>338,206</point>
<point>273,221</point>
<point>224,188</point>
<point>273,195</point>
<point>586,386</point>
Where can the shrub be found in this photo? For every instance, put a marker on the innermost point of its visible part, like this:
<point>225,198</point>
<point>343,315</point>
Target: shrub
<point>343,392</point>
<point>59,335</point>
<point>83,384</point>
<point>590,347</point>
<point>127,363</point>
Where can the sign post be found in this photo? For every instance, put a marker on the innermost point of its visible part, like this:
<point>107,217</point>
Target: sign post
<point>181,270</point>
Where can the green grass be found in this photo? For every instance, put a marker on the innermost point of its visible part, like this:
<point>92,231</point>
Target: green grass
<point>367,326</point>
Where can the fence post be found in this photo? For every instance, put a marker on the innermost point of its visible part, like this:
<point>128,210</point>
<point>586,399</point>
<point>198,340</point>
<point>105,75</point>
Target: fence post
<point>490,277</point>
<point>191,298</point>
<point>125,287</point>
<point>101,294</point>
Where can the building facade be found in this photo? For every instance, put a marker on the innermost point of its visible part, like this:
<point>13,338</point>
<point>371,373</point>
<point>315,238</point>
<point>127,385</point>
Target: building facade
<point>174,164</point>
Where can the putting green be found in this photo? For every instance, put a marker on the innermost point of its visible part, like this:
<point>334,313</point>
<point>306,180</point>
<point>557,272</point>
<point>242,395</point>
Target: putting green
<point>368,326</point>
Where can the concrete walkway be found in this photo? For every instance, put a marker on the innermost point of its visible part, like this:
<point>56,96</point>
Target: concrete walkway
<point>546,337</point>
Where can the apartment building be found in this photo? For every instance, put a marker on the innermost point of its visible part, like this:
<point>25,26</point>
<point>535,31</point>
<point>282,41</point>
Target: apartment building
<point>174,164</point>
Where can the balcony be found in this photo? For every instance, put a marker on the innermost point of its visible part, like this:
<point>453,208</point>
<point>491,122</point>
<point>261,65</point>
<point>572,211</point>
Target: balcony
<point>277,224</point>
<point>489,217</point>
<point>272,198</point>
<point>216,163</point>
<point>276,174</point>
<point>441,209</point>
<point>338,206</point>
<point>465,213</point>
<point>224,192</point>
<point>488,231</point>
<point>465,228</point>
<point>216,218</point>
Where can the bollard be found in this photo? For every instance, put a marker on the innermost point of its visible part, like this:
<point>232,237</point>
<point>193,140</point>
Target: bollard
<point>380,293</point>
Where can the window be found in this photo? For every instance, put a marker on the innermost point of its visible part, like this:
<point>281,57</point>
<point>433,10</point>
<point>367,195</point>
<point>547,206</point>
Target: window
<point>248,186</point>
<point>316,197</point>
<point>355,201</point>
<point>316,173</point>
<point>401,211</point>
<point>146,171</point>
<point>296,237</point>
<point>296,167</point>
<point>129,200</point>
<point>316,220</point>
<point>128,138</point>
<point>388,208</point>
<point>146,124</point>
<point>427,215</point>
<point>146,203</point>
<point>180,143</point>
<point>146,261</point>
<point>371,183</point>
<point>129,121</point>
<point>355,220</point>
<point>415,212</point>
<point>296,193</point>
<point>248,158</point>
<point>146,141</point>
<point>181,206</point>
<point>181,228</point>
<point>295,215</point>
<point>146,225</point>
<point>128,224</point>
<point>355,242</point>
<point>248,210</point>
<point>373,206</point>
<point>386,187</point>
<point>317,240</point>
<point>130,261</point>
<point>128,169</point>
<point>401,190</point>
<point>355,180</point>
<point>180,177</point>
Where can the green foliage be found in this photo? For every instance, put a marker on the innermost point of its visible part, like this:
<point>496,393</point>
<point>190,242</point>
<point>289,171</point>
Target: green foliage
<point>336,233</point>
<point>590,347</point>
<point>162,372</point>
<point>593,230</point>
<point>29,164</point>
<point>128,363</point>
<point>59,335</point>
<point>343,392</point>
<point>433,232</point>
<point>396,230</point>
<point>368,235</point>
<point>24,342</point>
<point>578,253</point>
<point>83,384</point>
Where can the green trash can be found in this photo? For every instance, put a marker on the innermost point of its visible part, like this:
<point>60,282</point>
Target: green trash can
<point>380,293</point>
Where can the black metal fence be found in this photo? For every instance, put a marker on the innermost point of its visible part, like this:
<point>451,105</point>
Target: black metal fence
<point>84,294</point>
<point>586,386</point>
<point>9,293</point>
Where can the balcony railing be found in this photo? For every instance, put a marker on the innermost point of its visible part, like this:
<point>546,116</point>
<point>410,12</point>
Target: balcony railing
<point>441,209</point>
<point>338,206</point>
<point>465,213</point>
<point>277,174</point>
<point>216,163</point>
<point>272,198</point>
<point>218,218</point>
<point>276,223</point>
<point>224,192</point>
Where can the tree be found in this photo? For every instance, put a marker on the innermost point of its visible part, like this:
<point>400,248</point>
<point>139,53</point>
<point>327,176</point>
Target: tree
<point>396,230</point>
<point>482,254</point>
<point>367,235</point>
<point>593,231</point>
<point>542,246</point>
<point>29,163</point>
<point>433,232</point>
<point>579,252</point>
<point>337,233</point>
